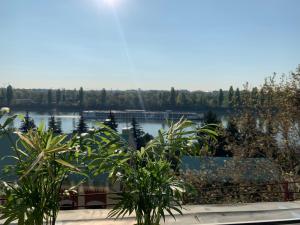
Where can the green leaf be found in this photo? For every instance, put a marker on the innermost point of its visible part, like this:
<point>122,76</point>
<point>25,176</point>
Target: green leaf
<point>66,164</point>
<point>33,165</point>
<point>41,127</point>
<point>9,120</point>
<point>208,131</point>
<point>25,139</point>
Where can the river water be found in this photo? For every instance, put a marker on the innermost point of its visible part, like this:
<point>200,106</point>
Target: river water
<point>69,121</point>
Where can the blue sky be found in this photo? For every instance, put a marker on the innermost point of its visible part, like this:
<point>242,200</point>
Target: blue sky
<point>147,44</point>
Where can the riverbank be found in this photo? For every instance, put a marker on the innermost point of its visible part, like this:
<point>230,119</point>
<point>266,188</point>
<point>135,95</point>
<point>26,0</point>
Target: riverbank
<point>77,109</point>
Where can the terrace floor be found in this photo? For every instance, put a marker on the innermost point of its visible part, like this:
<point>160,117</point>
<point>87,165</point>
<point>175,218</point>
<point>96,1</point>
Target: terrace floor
<point>253,213</point>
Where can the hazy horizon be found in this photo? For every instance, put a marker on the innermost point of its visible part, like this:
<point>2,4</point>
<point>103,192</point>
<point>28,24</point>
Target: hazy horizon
<point>200,45</point>
<point>112,89</point>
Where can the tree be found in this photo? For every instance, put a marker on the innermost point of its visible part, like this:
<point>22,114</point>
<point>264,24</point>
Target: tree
<point>203,100</point>
<point>181,100</point>
<point>103,98</point>
<point>81,97</point>
<point>255,96</point>
<point>220,144</point>
<point>120,100</point>
<point>232,129</point>
<point>262,96</point>
<point>216,144</point>
<point>49,96</point>
<point>54,125</point>
<point>237,97</point>
<point>2,97</point>
<point>221,97</point>
<point>172,99</point>
<point>58,96</point>
<point>64,95</point>
<point>230,96</point>
<point>140,137</point>
<point>27,124</point>
<point>9,94</point>
<point>210,118</point>
<point>232,135</point>
<point>137,133</point>
<point>146,138</point>
<point>81,126</point>
<point>111,121</point>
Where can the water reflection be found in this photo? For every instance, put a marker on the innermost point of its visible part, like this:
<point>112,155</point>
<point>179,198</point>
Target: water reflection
<point>69,121</point>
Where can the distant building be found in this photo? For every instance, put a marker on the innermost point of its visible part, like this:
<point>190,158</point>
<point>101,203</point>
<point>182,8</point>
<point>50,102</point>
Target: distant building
<point>127,115</point>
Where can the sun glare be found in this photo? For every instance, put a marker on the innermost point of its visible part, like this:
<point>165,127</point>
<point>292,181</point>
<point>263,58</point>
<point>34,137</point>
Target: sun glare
<point>111,2</point>
<point>107,3</point>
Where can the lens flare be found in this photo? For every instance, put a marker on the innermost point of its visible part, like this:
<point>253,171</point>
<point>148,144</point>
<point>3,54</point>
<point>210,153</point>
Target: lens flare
<point>111,2</point>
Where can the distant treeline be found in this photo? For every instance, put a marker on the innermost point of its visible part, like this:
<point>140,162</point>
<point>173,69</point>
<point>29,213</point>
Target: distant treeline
<point>119,100</point>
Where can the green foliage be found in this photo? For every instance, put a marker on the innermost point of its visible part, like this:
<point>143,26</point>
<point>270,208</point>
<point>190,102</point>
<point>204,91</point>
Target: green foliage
<point>103,98</point>
<point>266,123</point>
<point>4,127</point>
<point>221,97</point>
<point>181,100</point>
<point>215,145</point>
<point>230,96</point>
<point>140,137</point>
<point>111,121</point>
<point>210,118</point>
<point>232,129</point>
<point>255,96</point>
<point>237,97</point>
<point>58,96</point>
<point>114,99</point>
<point>54,125</point>
<point>149,189</point>
<point>9,94</point>
<point>172,98</point>
<point>148,177</point>
<point>2,96</point>
<point>81,126</point>
<point>81,97</point>
<point>43,162</point>
<point>27,123</point>
<point>49,97</point>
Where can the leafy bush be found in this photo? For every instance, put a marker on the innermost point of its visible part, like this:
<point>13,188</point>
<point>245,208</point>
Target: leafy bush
<point>149,189</point>
<point>151,186</point>
<point>43,161</point>
<point>149,178</point>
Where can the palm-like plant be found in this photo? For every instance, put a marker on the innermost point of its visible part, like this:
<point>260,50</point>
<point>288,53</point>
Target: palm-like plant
<point>43,161</point>
<point>182,138</point>
<point>150,185</point>
<point>150,190</point>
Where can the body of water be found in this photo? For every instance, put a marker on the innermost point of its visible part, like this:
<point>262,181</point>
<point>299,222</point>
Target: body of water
<point>69,121</point>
